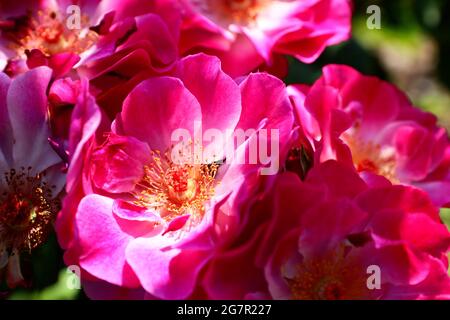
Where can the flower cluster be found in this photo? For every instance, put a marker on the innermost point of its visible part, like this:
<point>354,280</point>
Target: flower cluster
<point>160,141</point>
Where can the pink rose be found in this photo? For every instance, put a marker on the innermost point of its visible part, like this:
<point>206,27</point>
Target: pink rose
<point>323,238</point>
<point>116,48</point>
<point>249,34</point>
<point>37,33</point>
<point>31,171</point>
<point>368,122</point>
<point>116,45</point>
<point>395,230</point>
<point>140,218</point>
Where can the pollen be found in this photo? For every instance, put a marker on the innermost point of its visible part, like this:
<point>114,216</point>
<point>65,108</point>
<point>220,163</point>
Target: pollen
<point>176,189</point>
<point>27,209</point>
<point>226,12</point>
<point>48,32</point>
<point>372,157</point>
<point>331,277</point>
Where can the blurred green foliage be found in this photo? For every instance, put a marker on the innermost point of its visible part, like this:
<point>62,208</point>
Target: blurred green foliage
<point>57,291</point>
<point>445,215</point>
<point>408,27</point>
<point>45,270</point>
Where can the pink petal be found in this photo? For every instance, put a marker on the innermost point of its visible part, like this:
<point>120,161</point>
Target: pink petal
<point>137,221</point>
<point>62,63</point>
<point>6,141</point>
<point>342,218</point>
<point>320,101</point>
<point>233,273</point>
<point>438,192</point>
<point>156,108</point>
<point>119,165</point>
<point>86,118</point>
<point>265,97</point>
<point>28,120</point>
<point>150,259</point>
<point>102,242</point>
<point>338,180</point>
<point>164,272</point>
<point>379,101</point>
<point>177,223</point>
<point>221,102</point>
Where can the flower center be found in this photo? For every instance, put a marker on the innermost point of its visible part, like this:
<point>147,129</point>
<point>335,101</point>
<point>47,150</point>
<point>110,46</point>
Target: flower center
<point>226,12</point>
<point>26,210</point>
<point>176,189</point>
<point>329,278</point>
<point>371,157</point>
<point>48,32</point>
<point>17,211</point>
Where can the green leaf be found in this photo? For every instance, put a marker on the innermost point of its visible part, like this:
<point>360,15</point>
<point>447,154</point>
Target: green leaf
<point>445,216</point>
<point>57,291</point>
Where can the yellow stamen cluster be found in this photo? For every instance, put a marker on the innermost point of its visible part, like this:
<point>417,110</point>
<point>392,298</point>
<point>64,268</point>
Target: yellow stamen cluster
<point>176,189</point>
<point>49,33</point>
<point>368,156</point>
<point>331,277</point>
<point>239,12</point>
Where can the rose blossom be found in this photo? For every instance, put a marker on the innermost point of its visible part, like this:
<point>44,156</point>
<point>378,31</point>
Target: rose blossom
<point>394,228</point>
<point>368,122</point>
<point>249,34</point>
<point>140,219</point>
<point>31,172</point>
<point>39,31</point>
<point>116,45</point>
<point>321,239</point>
<point>119,44</point>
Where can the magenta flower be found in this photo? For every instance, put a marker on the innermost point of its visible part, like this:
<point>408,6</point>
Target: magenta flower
<point>141,42</point>
<point>115,47</point>
<point>31,173</point>
<point>97,38</point>
<point>147,220</point>
<point>190,170</point>
<point>395,229</point>
<point>249,34</point>
<point>43,33</point>
<point>322,238</point>
<point>365,121</point>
